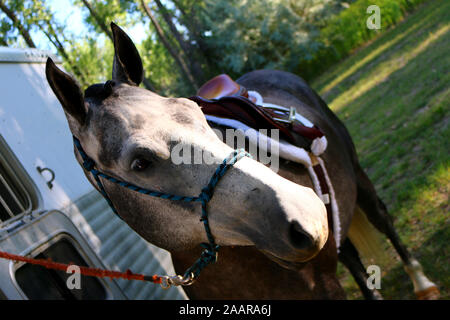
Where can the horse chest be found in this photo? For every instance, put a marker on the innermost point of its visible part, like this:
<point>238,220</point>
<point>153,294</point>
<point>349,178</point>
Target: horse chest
<point>245,273</point>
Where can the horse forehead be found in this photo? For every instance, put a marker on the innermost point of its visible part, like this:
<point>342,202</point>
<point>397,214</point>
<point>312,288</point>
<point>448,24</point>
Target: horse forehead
<point>149,114</point>
<point>124,113</point>
<point>118,121</point>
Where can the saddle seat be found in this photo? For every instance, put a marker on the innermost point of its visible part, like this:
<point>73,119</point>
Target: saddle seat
<point>221,86</point>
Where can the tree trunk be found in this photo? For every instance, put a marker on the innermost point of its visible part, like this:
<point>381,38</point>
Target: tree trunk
<point>191,24</point>
<point>178,59</point>
<point>195,31</point>
<point>188,49</point>
<point>22,30</point>
<point>99,21</point>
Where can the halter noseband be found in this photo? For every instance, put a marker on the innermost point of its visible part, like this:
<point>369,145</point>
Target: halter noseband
<point>211,249</point>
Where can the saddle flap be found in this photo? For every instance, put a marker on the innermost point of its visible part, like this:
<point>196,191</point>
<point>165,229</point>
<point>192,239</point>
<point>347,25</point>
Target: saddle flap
<point>242,109</point>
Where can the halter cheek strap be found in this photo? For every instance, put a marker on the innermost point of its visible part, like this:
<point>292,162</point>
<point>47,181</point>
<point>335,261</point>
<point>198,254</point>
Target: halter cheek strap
<point>211,249</point>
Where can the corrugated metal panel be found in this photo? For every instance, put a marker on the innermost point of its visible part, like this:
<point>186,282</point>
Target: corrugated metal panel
<point>121,248</point>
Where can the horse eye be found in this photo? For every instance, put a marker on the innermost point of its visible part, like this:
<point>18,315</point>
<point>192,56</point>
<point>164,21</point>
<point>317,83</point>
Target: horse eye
<point>140,164</point>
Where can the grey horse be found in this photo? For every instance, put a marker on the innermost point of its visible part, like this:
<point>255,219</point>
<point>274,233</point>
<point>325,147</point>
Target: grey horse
<point>272,227</point>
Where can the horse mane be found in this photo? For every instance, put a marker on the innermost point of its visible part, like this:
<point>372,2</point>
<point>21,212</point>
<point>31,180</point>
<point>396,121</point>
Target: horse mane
<point>99,91</point>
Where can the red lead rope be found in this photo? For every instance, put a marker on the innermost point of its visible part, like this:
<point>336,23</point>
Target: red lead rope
<point>86,271</point>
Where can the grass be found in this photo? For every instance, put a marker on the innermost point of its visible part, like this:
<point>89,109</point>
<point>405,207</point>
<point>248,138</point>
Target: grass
<point>394,97</point>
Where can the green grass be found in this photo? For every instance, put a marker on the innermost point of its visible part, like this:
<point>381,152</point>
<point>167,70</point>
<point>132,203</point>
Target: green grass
<point>394,97</point>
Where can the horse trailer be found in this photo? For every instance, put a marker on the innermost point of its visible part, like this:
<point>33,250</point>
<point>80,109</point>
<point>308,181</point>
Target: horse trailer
<point>49,210</point>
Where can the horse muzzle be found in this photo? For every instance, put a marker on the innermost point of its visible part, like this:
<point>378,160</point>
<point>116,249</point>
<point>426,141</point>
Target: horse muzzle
<point>277,216</point>
<point>299,230</point>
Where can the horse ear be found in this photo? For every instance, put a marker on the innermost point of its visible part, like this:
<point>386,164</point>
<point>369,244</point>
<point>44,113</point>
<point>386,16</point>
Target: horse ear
<point>127,65</point>
<point>67,91</point>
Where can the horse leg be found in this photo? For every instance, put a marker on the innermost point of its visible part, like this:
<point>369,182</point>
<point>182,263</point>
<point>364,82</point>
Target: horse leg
<point>349,256</point>
<point>376,212</point>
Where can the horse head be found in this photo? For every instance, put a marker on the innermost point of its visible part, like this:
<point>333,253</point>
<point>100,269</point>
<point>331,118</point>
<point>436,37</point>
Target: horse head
<point>130,134</point>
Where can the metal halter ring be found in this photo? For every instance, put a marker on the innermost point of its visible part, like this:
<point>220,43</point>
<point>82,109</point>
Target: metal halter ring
<point>169,281</point>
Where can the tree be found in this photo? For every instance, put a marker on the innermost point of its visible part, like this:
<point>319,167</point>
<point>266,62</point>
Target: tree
<point>100,21</point>
<point>26,15</point>
<point>42,17</point>
<point>95,57</point>
<point>171,49</point>
<point>188,49</point>
<point>16,23</point>
<point>187,41</point>
<point>245,35</point>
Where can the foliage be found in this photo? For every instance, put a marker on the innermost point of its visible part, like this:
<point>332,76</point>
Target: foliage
<point>206,37</point>
<point>158,65</point>
<point>119,11</point>
<point>249,34</point>
<point>347,31</point>
<point>96,57</point>
<point>22,15</point>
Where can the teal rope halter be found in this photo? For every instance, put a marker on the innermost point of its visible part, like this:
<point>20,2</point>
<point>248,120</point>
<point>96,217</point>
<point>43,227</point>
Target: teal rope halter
<point>209,255</point>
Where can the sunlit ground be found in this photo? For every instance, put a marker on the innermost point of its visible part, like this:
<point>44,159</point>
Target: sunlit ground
<point>394,97</point>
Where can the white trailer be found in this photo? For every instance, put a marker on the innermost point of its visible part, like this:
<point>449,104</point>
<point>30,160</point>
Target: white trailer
<point>48,209</point>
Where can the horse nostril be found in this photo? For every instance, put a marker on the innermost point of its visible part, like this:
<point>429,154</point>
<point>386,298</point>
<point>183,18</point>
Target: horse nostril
<point>299,238</point>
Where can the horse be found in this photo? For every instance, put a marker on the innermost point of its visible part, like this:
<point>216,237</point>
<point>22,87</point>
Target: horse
<point>272,228</point>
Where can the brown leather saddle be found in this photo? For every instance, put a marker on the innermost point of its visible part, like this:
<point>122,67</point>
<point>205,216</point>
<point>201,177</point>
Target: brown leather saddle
<point>223,97</point>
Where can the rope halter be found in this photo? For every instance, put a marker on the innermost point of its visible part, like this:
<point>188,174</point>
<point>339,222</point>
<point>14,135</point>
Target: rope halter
<point>210,253</point>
